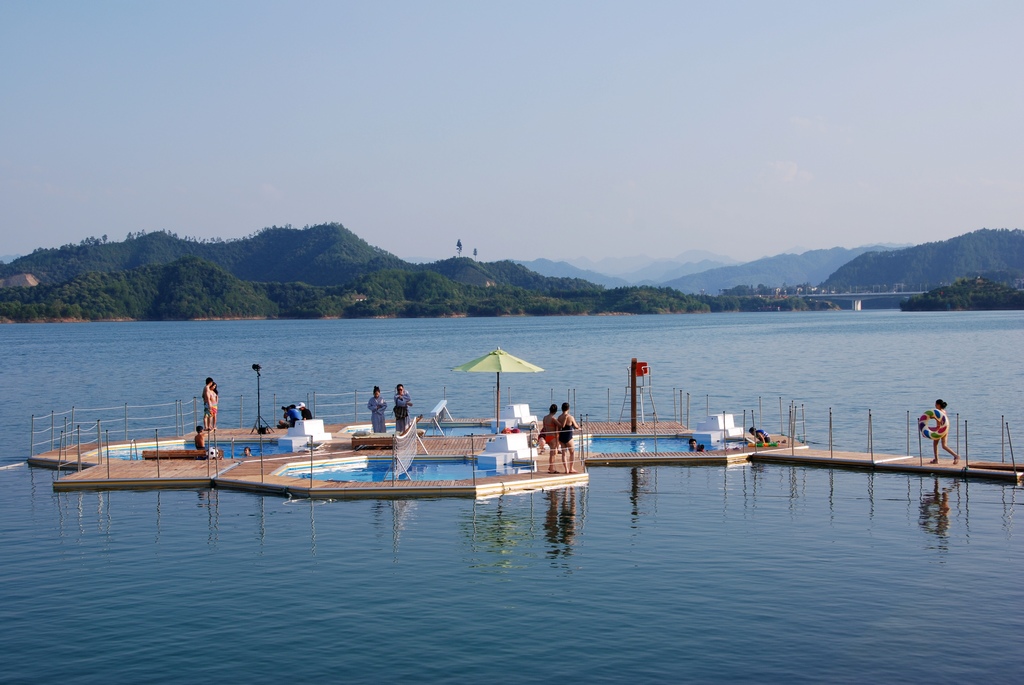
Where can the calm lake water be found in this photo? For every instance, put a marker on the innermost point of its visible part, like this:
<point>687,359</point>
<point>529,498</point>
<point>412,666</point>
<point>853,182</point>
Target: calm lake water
<point>748,574</point>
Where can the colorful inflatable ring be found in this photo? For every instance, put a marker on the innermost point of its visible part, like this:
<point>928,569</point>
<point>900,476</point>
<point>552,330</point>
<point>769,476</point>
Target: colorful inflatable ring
<point>939,430</point>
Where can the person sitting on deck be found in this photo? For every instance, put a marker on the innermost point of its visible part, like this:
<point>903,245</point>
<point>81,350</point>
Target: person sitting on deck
<point>291,415</point>
<point>760,435</point>
<point>306,413</point>
<point>200,439</point>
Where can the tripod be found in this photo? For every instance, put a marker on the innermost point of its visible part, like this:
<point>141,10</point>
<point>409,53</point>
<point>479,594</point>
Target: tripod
<point>260,426</point>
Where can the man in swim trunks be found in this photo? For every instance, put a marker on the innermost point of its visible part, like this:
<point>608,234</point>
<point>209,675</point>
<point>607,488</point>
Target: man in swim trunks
<point>549,436</point>
<point>210,398</point>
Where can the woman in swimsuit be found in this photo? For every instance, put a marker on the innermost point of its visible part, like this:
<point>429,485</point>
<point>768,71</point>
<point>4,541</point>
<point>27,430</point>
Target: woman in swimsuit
<point>566,424</point>
<point>940,408</point>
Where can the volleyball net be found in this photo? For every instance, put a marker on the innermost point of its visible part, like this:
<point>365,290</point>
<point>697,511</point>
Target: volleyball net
<point>404,451</point>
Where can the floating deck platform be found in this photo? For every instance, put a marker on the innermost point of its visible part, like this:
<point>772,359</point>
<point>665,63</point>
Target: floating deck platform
<point>256,475</point>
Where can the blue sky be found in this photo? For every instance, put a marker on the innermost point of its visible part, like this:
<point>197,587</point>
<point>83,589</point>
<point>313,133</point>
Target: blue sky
<point>525,129</point>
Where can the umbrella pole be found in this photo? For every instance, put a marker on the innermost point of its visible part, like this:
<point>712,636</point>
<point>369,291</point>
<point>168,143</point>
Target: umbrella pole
<point>497,405</point>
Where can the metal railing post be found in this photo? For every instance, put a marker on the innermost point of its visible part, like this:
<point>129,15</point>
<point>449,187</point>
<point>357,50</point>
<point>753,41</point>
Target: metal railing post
<point>967,449</point>
<point>871,438</point>
<point>1009,442</point>
<point>908,432</point>
<point>830,454</point>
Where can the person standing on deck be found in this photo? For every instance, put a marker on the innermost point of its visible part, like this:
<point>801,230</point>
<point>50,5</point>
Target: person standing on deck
<point>940,411</point>
<point>549,435</point>
<point>566,424</point>
<point>210,398</point>
<point>378,406</point>
<point>401,410</point>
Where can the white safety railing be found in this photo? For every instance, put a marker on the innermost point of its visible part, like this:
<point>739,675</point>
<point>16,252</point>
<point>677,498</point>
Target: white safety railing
<point>850,429</point>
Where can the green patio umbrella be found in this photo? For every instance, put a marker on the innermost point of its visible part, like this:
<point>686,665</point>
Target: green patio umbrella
<point>497,362</point>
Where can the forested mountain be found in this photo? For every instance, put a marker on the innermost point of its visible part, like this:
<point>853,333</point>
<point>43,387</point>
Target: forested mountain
<point>809,267</point>
<point>328,254</point>
<point>966,294</point>
<point>192,288</point>
<point>327,271</point>
<point>189,288</point>
<point>471,272</point>
<point>996,253</point>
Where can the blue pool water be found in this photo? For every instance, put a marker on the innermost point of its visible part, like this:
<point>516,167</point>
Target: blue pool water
<point>607,445</point>
<point>458,431</point>
<point>453,431</point>
<point>375,470</point>
<point>230,450</point>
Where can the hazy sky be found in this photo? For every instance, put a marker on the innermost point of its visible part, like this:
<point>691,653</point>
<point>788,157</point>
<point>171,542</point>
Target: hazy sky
<point>525,129</point>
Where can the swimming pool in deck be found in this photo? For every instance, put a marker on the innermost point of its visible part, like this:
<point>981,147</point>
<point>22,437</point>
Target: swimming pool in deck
<point>642,444</point>
<point>448,429</point>
<point>230,449</point>
<point>366,470</point>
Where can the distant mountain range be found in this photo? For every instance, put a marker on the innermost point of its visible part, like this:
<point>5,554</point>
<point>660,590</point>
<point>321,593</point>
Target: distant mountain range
<point>546,267</point>
<point>997,254</point>
<point>786,269</point>
<point>331,255</point>
<point>711,274</point>
<point>640,271</point>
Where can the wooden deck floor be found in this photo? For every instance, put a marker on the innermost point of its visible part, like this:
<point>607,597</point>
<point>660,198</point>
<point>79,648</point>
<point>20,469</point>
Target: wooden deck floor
<point>256,476</point>
<point>890,462</point>
<point>120,474</point>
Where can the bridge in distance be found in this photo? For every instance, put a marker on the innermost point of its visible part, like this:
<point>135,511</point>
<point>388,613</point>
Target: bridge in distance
<point>856,299</point>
